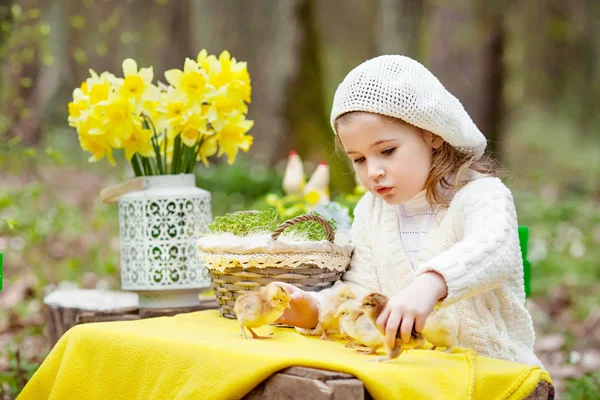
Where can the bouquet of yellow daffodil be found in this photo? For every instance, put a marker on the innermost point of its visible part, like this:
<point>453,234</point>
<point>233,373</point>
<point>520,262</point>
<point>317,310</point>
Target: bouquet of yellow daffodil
<point>165,129</point>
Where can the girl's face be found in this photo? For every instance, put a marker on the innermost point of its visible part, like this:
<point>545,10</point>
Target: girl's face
<point>391,158</point>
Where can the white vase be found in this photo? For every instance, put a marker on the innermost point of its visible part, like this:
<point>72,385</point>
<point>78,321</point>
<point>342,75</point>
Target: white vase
<point>159,257</point>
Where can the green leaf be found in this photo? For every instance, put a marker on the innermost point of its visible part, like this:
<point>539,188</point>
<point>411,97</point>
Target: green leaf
<point>55,155</point>
<point>176,154</point>
<point>147,166</point>
<point>11,224</point>
<point>135,164</point>
<point>29,152</point>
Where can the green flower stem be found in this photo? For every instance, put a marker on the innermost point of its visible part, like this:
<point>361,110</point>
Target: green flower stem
<point>189,157</point>
<point>135,164</point>
<point>196,153</point>
<point>165,141</point>
<point>150,125</point>
<point>184,157</point>
<point>176,154</point>
<point>147,166</point>
<point>158,160</point>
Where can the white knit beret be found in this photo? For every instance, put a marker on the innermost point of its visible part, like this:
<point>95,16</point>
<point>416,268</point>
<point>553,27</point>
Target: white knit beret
<point>400,87</point>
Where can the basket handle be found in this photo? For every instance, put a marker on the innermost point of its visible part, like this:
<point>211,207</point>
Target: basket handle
<point>302,218</point>
<point>112,193</point>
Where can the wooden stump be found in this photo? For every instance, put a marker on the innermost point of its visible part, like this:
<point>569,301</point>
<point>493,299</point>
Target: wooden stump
<point>69,307</point>
<point>310,383</point>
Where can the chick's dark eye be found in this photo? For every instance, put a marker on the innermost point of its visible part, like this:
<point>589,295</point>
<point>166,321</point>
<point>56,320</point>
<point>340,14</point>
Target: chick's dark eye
<point>388,151</point>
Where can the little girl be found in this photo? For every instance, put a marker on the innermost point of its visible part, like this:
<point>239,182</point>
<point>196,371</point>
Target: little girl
<point>436,229</point>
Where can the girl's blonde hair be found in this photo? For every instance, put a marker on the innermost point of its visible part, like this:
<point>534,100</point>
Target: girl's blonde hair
<point>450,169</point>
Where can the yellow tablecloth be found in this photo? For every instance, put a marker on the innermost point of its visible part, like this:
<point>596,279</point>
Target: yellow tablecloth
<point>202,356</point>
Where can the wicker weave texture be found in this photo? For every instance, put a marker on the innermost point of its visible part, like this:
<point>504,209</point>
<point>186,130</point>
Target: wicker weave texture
<point>228,285</point>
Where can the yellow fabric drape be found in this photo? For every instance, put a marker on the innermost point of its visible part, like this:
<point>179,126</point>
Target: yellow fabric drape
<point>201,355</point>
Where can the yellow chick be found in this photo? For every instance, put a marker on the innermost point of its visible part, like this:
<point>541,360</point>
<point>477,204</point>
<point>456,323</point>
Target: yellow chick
<point>255,309</point>
<point>441,329</point>
<point>329,322</point>
<point>357,328</point>
<point>372,305</point>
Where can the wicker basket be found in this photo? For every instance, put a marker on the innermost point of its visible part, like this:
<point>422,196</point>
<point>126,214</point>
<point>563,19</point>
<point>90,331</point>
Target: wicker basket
<point>234,274</point>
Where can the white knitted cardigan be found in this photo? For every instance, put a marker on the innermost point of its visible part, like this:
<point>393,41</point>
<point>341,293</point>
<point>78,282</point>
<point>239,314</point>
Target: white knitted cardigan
<point>474,245</point>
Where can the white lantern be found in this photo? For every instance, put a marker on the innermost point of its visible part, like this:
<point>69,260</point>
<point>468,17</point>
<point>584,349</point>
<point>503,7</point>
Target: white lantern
<point>159,257</point>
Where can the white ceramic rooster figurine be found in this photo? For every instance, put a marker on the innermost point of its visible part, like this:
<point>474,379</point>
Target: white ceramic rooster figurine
<point>293,178</point>
<point>319,180</point>
<point>316,191</point>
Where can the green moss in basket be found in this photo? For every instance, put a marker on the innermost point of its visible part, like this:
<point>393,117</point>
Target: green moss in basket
<point>246,223</point>
<point>257,222</point>
<point>310,230</point>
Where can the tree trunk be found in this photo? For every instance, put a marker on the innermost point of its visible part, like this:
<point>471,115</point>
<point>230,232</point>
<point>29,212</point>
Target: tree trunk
<point>30,82</point>
<point>400,27</point>
<point>347,33</point>
<point>177,15</point>
<point>546,35</point>
<point>304,110</point>
<point>466,54</point>
<point>265,35</point>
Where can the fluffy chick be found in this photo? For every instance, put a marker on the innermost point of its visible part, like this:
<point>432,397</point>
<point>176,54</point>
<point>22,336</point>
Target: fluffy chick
<point>441,329</point>
<point>328,319</point>
<point>372,305</point>
<point>260,308</point>
<point>356,327</point>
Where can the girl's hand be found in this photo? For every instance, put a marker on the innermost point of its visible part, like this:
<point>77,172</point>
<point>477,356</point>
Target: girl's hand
<point>303,311</point>
<point>410,308</point>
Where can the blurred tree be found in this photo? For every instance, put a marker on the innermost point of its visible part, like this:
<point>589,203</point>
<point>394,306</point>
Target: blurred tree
<point>400,27</point>
<point>547,36</point>
<point>28,73</point>
<point>465,49</point>
<point>263,33</point>
<point>554,58</point>
<point>177,16</point>
<point>306,109</point>
<point>348,36</point>
<point>6,19</point>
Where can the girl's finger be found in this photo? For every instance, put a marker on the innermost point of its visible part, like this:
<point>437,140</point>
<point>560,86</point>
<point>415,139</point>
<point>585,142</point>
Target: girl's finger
<point>406,327</point>
<point>381,321</point>
<point>420,324</point>
<point>391,329</point>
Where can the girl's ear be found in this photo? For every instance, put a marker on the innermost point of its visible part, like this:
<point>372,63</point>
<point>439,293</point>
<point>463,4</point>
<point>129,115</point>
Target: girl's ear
<point>437,142</point>
<point>434,140</point>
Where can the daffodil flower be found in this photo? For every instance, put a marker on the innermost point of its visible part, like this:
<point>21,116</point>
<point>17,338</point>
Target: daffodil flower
<point>193,129</point>
<point>206,61</point>
<point>233,138</point>
<point>204,105</point>
<point>137,84</point>
<point>139,142</point>
<point>98,148</point>
<point>208,148</point>
<point>192,80</point>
